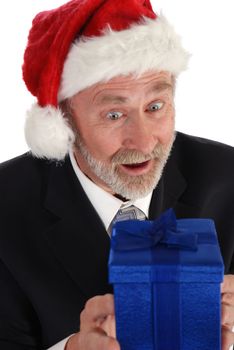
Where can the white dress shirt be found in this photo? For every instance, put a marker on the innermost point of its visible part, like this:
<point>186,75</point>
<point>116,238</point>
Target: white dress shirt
<point>106,205</point>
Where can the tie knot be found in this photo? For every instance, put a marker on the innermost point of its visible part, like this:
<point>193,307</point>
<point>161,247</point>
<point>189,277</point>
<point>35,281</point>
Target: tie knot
<point>128,213</point>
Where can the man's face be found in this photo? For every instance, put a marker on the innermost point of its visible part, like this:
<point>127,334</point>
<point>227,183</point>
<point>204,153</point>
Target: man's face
<point>125,130</point>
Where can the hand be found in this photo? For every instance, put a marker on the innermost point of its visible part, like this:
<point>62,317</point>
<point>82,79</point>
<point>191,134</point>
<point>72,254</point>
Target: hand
<point>97,326</point>
<point>227,290</point>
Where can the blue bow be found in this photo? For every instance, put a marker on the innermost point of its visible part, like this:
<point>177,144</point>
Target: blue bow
<point>137,235</point>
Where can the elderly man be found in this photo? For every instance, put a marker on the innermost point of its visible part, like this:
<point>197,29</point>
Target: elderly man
<point>102,139</point>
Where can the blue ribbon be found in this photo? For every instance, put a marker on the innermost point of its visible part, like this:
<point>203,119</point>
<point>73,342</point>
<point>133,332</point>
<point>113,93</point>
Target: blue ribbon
<point>138,235</point>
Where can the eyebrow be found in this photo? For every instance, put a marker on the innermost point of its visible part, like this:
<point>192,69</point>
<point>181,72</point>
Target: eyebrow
<point>112,99</point>
<point>159,87</point>
<point>115,99</point>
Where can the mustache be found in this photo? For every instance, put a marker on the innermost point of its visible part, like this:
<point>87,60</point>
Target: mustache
<point>134,156</point>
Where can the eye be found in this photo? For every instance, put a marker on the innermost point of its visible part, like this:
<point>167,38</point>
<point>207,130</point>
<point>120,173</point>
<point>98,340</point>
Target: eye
<point>155,106</point>
<point>114,115</point>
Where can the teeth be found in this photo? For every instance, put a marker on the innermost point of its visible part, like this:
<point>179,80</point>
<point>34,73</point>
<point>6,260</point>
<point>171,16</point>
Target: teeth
<point>135,164</point>
<point>139,163</point>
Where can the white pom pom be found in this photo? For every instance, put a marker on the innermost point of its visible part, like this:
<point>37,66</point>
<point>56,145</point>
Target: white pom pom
<point>48,133</point>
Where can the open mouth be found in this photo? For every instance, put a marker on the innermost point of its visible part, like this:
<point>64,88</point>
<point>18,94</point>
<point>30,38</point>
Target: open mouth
<point>137,169</point>
<point>136,165</point>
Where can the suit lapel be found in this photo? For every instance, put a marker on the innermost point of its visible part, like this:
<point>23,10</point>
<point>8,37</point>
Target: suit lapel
<point>173,191</point>
<point>169,189</point>
<point>77,236</point>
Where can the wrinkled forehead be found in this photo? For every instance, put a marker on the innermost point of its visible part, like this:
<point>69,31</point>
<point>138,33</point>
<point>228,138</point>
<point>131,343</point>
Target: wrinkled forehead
<point>146,83</point>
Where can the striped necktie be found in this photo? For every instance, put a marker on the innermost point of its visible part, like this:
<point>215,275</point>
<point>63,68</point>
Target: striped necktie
<point>128,213</point>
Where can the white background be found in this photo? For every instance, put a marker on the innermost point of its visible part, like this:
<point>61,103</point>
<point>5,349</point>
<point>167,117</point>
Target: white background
<point>205,93</point>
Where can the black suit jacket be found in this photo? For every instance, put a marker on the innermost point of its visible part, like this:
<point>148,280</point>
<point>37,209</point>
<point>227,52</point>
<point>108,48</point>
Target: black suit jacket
<point>54,248</point>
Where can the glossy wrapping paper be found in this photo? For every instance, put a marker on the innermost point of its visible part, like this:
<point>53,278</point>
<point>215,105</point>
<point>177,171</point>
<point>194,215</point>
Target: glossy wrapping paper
<point>166,275</point>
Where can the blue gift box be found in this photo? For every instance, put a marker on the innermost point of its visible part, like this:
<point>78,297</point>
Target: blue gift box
<point>166,275</point>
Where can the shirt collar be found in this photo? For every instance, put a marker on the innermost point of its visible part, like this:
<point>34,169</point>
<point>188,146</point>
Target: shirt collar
<point>105,204</point>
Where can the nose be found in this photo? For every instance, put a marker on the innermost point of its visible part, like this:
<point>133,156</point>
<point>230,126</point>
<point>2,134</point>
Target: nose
<point>140,134</point>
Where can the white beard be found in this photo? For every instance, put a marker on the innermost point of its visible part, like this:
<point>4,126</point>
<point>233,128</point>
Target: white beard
<point>129,187</point>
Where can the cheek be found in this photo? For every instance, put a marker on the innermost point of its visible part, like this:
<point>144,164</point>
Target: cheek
<point>166,127</point>
<point>102,143</point>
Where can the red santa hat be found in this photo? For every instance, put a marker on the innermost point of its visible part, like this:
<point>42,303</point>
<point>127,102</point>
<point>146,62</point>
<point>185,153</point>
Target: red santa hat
<point>85,42</point>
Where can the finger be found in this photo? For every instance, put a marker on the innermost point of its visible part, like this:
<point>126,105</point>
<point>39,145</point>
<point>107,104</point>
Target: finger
<point>227,315</point>
<point>228,298</point>
<point>96,310</point>
<point>109,326</point>
<point>228,284</point>
<point>97,340</point>
<point>227,338</point>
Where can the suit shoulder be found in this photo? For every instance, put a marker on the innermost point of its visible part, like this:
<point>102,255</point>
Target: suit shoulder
<point>25,160</point>
<point>21,170</point>
<point>25,175</point>
<point>20,177</point>
<point>198,149</point>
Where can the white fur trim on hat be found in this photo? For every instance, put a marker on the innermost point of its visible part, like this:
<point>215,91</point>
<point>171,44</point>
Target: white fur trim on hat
<point>48,133</point>
<point>150,45</point>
